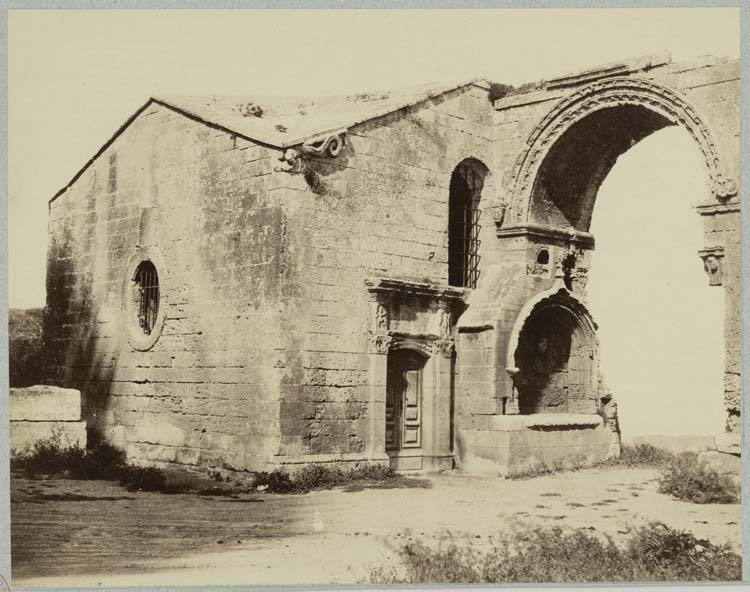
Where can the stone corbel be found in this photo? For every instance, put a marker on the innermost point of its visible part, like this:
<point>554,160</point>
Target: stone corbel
<point>328,146</point>
<point>724,188</point>
<point>712,264</point>
<point>499,210</point>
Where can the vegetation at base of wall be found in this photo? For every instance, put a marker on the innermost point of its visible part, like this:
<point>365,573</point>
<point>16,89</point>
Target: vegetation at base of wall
<point>640,455</point>
<point>25,346</point>
<point>55,457</point>
<point>101,460</point>
<point>688,478</point>
<point>654,552</point>
<point>318,476</point>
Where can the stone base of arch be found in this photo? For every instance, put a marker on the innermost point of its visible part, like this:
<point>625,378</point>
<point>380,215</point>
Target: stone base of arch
<point>527,444</point>
<point>568,418</point>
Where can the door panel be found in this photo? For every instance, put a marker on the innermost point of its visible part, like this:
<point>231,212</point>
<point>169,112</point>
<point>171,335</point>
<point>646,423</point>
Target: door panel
<point>393,408</point>
<point>403,407</point>
<point>412,408</point>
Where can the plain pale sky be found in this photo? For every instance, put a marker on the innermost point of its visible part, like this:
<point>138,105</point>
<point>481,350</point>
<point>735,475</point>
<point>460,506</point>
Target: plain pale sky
<point>75,76</point>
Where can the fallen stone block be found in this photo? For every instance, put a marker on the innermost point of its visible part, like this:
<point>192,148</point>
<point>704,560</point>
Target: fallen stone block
<point>45,403</point>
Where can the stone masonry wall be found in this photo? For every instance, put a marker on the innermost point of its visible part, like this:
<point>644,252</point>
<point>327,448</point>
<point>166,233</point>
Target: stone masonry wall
<point>206,392</point>
<point>380,208</point>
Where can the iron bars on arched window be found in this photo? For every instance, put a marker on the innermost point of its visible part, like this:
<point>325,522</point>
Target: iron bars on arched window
<point>466,186</point>
<point>147,295</point>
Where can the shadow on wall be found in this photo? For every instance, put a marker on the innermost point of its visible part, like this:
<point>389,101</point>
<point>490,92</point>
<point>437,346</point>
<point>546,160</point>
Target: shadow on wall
<point>73,355</point>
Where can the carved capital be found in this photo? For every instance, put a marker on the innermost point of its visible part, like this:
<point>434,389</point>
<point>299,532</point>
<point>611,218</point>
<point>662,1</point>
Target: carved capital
<point>712,264</point>
<point>379,343</point>
<point>442,347</point>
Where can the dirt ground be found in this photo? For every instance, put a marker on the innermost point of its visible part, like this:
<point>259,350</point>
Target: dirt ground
<point>93,533</point>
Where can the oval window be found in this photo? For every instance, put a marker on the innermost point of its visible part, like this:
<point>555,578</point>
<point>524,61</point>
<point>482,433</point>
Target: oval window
<point>146,295</point>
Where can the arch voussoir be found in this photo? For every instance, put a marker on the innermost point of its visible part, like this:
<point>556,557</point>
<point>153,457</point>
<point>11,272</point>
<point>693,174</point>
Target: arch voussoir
<point>607,94</point>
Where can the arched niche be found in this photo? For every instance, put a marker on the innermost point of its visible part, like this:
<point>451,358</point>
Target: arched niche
<point>553,356</point>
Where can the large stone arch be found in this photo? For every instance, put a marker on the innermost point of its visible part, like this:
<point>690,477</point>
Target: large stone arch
<point>575,129</point>
<point>647,106</point>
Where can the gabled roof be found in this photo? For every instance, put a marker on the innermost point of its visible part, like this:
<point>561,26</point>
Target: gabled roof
<point>281,122</point>
<point>289,121</point>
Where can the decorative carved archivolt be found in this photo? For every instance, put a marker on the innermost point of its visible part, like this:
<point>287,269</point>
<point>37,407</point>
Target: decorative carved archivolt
<point>329,146</point>
<point>712,264</point>
<point>605,94</point>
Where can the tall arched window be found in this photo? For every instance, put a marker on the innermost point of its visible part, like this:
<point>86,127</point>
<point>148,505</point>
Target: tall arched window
<point>466,186</point>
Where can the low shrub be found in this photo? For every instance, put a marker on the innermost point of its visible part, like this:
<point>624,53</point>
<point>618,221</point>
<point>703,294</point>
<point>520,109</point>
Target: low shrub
<point>640,455</point>
<point>54,457</point>
<point>319,476</point>
<point>644,455</point>
<point>273,482</point>
<point>49,457</point>
<point>550,554</point>
<point>687,478</point>
<point>499,90</point>
<point>142,479</point>
<point>666,554</point>
<point>324,476</point>
<point>101,462</point>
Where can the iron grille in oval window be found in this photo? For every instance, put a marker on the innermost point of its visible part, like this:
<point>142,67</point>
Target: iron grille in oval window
<point>147,296</point>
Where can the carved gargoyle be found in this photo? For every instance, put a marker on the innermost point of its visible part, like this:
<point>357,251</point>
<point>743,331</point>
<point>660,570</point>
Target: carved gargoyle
<point>329,146</point>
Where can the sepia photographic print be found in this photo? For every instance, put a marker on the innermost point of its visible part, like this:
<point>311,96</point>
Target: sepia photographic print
<point>373,297</point>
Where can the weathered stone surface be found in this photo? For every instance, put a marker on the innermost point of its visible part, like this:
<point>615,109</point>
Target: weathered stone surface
<point>45,403</point>
<point>64,434</point>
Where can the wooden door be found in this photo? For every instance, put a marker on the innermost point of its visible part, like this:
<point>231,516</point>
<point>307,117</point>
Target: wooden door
<point>403,409</point>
